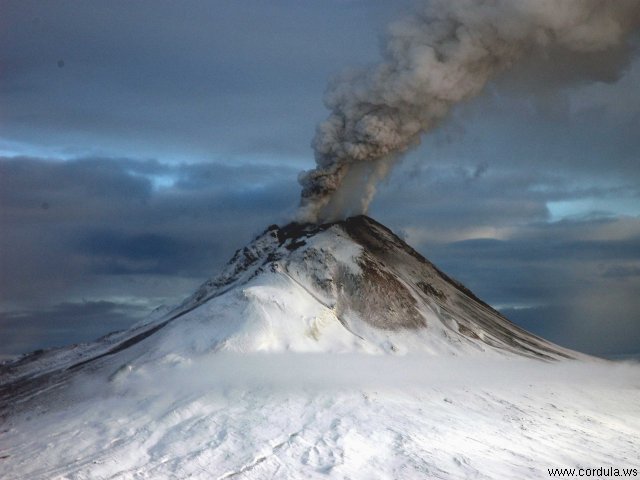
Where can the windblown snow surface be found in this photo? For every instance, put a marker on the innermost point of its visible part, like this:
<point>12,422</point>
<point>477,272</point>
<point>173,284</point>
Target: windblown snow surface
<point>296,416</point>
<point>333,352</point>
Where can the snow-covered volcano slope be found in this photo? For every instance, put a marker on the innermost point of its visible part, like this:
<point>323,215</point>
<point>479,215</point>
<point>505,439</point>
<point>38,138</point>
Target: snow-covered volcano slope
<point>327,416</point>
<point>348,286</point>
<point>260,374</point>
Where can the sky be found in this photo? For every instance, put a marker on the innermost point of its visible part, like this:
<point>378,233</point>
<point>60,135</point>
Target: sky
<point>141,143</point>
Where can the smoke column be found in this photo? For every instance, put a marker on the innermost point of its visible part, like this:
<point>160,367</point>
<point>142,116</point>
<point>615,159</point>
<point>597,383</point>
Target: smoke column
<point>443,54</point>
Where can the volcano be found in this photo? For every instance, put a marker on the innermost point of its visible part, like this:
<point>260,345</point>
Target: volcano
<point>351,285</point>
<point>347,286</point>
<point>261,371</point>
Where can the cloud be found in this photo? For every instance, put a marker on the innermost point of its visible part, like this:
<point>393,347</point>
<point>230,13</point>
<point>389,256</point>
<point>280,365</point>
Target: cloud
<point>579,293</point>
<point>581,131</point>
<point>117,254</point>
<point>175,81</point>
<point>622,271</point>
<point>606,327</point>
<point>67,224</point>
<point>63,324</point>
<point>449,198</point>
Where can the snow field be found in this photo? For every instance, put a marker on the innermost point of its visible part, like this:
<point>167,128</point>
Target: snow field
<point>331,416</point>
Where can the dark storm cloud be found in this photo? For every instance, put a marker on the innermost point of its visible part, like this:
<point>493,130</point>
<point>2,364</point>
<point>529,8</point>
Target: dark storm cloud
<point>149,76</point>
<point>63,221</point>
<point>29,184</point>
<point>116,254</point>
<point>549,249</point>
<point>582,294</point>
<point>608,331</point>
<point>622,272</point>
<point>63,324</point>
<point>448,204</point>
<point>546,258</point>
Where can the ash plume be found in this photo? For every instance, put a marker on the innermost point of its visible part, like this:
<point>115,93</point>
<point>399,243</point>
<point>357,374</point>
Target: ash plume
<point>443,54</point>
